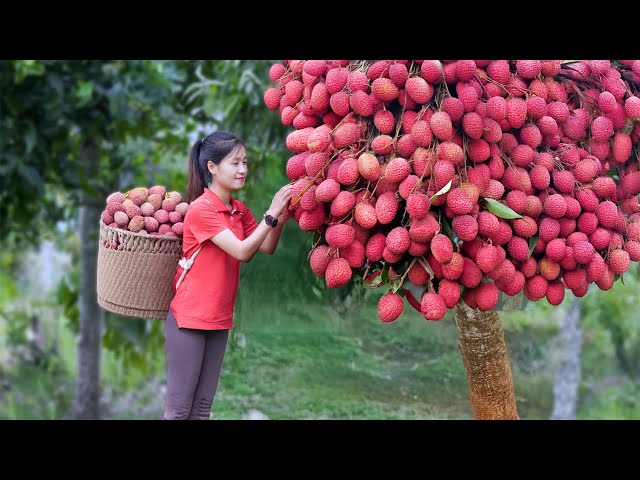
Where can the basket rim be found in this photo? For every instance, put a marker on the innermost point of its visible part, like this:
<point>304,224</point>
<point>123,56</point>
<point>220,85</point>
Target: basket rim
<point>138,234</point>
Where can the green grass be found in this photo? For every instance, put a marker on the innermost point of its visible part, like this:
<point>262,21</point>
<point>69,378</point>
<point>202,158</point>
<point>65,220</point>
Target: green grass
<point>307,361</point>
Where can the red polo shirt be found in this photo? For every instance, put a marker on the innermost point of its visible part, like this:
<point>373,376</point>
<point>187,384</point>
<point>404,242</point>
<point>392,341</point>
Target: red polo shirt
<point>206,297</point>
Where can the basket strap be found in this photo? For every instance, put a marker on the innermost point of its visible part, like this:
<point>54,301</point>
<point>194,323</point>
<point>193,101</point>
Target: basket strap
<point>186,265</point>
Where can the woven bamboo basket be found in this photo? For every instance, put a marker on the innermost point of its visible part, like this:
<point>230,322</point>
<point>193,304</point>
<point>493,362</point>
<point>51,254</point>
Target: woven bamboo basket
<point>135,278</point>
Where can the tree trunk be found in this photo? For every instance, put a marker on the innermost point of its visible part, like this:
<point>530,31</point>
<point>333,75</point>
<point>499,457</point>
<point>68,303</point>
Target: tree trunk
<point>567,375</point>
<point>87,396</point>
<point>485,358</point>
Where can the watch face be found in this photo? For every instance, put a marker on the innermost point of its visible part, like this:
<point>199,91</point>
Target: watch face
<point>269,220</point>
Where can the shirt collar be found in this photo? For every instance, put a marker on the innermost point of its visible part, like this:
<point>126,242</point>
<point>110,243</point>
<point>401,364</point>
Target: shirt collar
<point>219,204</point>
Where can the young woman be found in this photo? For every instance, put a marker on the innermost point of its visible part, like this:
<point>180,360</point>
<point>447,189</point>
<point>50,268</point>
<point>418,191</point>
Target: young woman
<point>219,233</point>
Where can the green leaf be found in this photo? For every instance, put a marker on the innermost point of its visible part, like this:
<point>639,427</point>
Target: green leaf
<point>532,242</point>
<point>500,209</point>
<point>30,138</point>
<point>374,282</point>
<point>395,285</point>
<point>448,231</point>
<point>442,191</point>
<point>84,92</point>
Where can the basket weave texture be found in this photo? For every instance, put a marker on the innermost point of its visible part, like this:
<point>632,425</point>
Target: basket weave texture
<point>135,278</point>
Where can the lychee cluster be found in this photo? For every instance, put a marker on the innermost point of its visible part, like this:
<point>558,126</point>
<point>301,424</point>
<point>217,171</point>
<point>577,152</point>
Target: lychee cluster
<point>465,178</point>
<point>151,211</point>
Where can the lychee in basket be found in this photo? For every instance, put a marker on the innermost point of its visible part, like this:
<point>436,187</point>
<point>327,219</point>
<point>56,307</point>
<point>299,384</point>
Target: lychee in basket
<point>136,271</point>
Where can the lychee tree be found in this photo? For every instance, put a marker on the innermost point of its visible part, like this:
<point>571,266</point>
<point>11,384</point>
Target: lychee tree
<point>466,185</point>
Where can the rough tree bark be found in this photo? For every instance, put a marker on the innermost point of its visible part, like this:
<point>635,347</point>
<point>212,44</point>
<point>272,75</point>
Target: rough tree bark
<point>567,375</point>
<point>87,395</point>
<point>485,358</point>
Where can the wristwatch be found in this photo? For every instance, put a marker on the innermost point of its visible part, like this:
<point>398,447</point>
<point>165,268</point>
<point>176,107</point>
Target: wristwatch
<point>269,220</point>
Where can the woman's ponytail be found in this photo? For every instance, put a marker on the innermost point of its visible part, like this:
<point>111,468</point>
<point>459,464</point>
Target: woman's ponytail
<point>196,178</point>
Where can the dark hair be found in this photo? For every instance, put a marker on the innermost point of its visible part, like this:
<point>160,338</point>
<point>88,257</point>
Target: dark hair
<point>213,147</point>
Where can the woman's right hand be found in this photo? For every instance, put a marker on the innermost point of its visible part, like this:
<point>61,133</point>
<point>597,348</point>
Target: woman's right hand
<point>280,201</point>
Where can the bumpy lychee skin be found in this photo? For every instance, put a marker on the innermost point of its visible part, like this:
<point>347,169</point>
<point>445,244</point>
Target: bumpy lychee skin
<point>471,275</point>
<point>121,219</point>
<point>465,227</point>
<point>151,224</point>
<point>386,207</point>
<point>433,306</point>
<point>486,296</point>
<point>137,223</point>
<point>458,201</point>
<point>528,68</point>
<point>175,217</point>
<point>348,173</point>
<point>384,121</point>
<point>338,273</point>
<point>488,258</point>
<point>155,199</point>
<point>418,205</point>
<point>536,287</point>
<point>453,269</point>
<point>517,201</point>
<point>574,278</point>
<point>390,307</point>
<point>113,207</point>
<point>369,167</point>
<point>596,268</point>
<point>632,247</point>
<point>449,290</point>
<point>555,293</point>
<point>488,224</point>
<point>169,204</point>
<point>397,170</point>
<point>178,228</point>
<point>340,235</point>
<point>327,190</point>
<point>549,229</point>
<point>162,216</point>
<point>518,249</point>
<point>106,217</point>
<point>525,227</point>
<point>116,197</point>
<point>607,213</point>
<point>375,247</point>
<point>441,126</point>
<point>442,248</point>
<point>398,240</point>
<point>618,261</point>
<point>556,249</point>
<point>384,89</point>
<point>555,206</point>
<point>417,274</point>
<point>342,204</point>
<point>138,195</point>
<point>382,144</point>
<point>311,220</point>
<point>182,208</point>
<point>365,215</point>
<point>319,259</point>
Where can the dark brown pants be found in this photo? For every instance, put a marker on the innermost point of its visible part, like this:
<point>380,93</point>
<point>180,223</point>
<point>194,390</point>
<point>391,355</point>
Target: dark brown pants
<point>194,359</point>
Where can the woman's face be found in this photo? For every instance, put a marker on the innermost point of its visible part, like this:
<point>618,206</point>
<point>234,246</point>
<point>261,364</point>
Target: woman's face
<point>231,172</point>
